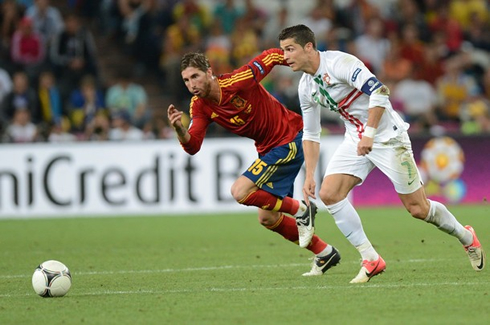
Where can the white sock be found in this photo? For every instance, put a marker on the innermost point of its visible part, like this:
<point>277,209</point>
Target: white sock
<point>326,251</point>
<point>367,251</point>
<point>440,216</point>
<point>349,223</point>
<point>301,210</point>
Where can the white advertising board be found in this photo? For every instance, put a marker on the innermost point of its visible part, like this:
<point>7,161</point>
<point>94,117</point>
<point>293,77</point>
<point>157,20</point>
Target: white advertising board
<point>130,178</point>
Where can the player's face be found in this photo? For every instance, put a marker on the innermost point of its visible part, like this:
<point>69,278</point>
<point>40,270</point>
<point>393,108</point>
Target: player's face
<point>197,81</point>
<point>294,54</point>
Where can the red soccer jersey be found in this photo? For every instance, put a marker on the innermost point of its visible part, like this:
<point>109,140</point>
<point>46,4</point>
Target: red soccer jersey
<point>246,108</point>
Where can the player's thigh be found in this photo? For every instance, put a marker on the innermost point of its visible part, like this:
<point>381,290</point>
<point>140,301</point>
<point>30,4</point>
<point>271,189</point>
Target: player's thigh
<point>276,171</point>
<point>345,161</point>
<point>395,159</point>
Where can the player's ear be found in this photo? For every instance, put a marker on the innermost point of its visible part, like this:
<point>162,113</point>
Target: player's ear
<point>309,46</point>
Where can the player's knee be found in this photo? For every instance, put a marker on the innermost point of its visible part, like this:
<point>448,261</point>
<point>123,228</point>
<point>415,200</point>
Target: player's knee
<point>237,192</point>
<point>268,219</point>
<point>328,196</point>
<point>417,211</point>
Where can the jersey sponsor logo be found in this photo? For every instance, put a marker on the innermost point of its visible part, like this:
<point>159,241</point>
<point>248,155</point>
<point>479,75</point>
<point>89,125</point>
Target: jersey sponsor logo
<point>238,102</point>
<point>371,85</point>
<point>257,64</point>
<point>355,74</point>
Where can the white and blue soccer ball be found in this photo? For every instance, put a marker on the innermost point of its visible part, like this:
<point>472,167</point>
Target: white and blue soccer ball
<point>51,279</point>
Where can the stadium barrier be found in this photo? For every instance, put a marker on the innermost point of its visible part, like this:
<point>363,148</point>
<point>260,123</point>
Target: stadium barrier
<point>159,178</point>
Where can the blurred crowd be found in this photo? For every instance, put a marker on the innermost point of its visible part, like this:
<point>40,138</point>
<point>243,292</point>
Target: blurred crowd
<point>434,55</point>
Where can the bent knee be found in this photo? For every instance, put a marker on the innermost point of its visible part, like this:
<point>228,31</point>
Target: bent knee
<point>268,218</point>
<point>418,211</point>
<point>330,197</point>
<point>238,192</point>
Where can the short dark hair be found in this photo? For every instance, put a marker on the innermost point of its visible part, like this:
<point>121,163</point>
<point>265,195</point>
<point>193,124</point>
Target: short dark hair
<point>300,33</point>
<point>195,60</point>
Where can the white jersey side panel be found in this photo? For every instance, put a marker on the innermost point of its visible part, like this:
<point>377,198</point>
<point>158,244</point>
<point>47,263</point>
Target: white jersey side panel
<point>343,84</point>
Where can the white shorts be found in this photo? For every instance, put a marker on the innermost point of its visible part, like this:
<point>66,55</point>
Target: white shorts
<point>394,158</point>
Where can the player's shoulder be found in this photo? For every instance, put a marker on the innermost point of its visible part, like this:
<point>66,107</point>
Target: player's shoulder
<point>334,57</point>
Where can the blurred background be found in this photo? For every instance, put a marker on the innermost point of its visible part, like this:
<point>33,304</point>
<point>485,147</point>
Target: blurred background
<point>96,70</point>
<point>86,71</point>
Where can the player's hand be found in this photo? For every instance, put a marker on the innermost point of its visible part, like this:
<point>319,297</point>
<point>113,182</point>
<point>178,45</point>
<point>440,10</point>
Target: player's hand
<point>174,117</point>
<point>365,146</point>
<point>309,190</point>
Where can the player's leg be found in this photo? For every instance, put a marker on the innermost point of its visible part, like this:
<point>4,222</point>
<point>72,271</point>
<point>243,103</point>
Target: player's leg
<point>246,192</point>
<point>397,162</point>
<point>344,171</point>
<point>437,214</point>
<point>273,176</point>
<point>326,255</point>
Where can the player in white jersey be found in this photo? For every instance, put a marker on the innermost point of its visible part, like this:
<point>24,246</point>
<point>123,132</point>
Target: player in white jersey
<point>376,136</point>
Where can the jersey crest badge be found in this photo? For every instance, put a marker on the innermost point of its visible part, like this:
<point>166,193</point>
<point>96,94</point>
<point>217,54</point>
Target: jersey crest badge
<point>326,79</point>
<point>238,102</point>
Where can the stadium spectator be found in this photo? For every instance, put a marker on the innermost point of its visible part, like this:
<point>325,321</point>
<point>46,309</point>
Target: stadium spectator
<point>475,116</point>
<point>196,13</point>
<point>245,43</point>
<point>447,26</point>
<point>5,84</point>
<point>60,132</point>
<point>239,103</point>
<point>46,19</point>
<point>411,47</point>
<point>375,136</point>
<point>318,20</point>
<point>394,67</point>
<point>418,100</point>
<point>454,88</point>
<point>73,55</point>
<point>275,24</point>
<point>432,66</point>
<point>10,15</point>
<point>85,103</point>
<point>50,105</point>
<point>218,49</point>
<point>122,129</point>
<point>98,129</point>
<point>21,129</point>
<point>254,18</point>
<point>226,13</point>
<point>179,38</point>
<point>372,47</point>
<point>23,93</point>
<point>28,50</point>
<point>128,95</point>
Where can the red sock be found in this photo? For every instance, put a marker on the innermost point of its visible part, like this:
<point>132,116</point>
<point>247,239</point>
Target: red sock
<point>286,226</point>
<point>267,201</point>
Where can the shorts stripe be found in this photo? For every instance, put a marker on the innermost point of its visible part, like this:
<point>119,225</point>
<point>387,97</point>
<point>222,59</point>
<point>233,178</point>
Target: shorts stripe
<point>272,169</point>
<point>269,172</point>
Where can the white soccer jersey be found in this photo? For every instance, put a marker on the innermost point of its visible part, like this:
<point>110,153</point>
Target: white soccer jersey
<point>343,84</point>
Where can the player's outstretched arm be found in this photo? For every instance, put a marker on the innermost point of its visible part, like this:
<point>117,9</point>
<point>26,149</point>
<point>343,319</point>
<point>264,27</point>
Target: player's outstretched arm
<point>175,120</point>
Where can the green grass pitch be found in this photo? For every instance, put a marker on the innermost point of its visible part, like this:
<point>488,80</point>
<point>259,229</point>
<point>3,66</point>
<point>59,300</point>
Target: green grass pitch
<point>227,269</point>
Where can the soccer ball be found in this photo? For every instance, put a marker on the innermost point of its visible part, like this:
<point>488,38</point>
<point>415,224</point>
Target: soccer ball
<point>51,279</point>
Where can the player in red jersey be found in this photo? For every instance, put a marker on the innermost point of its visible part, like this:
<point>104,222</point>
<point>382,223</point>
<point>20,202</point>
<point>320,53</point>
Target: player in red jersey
<point>239,103</point>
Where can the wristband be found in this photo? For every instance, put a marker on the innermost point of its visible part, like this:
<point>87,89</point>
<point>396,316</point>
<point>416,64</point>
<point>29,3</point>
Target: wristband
<point>369,132</point>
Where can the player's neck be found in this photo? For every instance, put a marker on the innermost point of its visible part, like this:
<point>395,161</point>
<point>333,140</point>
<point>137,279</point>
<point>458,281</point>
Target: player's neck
<point>215,93</point>
<point>314,63</point>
